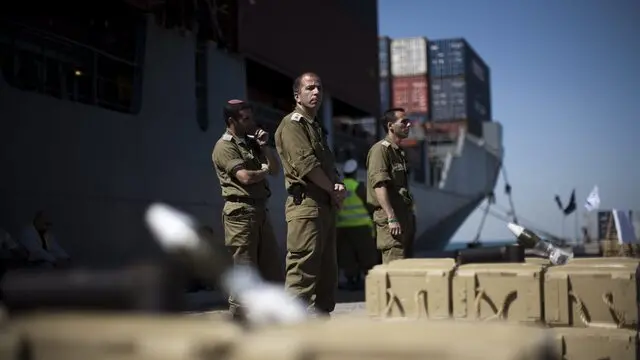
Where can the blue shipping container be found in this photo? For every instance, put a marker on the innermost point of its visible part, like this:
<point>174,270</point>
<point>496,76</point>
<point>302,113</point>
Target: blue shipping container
<point>385,94</point>
<point>454,98</point>
<point>455,57</point>
<point>384,47</point>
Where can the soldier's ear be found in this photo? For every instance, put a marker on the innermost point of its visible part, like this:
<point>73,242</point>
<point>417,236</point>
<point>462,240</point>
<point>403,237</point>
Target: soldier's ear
<point>296,96</point>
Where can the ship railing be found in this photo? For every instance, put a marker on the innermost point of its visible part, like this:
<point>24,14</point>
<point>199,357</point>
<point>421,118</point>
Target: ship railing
<point>48,63</point>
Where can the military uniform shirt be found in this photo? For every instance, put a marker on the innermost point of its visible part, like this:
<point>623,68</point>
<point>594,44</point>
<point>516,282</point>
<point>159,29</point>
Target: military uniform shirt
<point>302,146</point>
<point>231,154</point>
<point>387,162</point>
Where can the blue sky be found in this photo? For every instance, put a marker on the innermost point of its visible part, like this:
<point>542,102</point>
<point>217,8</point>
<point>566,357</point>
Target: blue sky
<point>565,86</point>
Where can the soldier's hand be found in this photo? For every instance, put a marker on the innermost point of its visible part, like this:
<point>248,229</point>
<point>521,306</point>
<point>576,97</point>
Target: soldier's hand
<point>336,199</point>
<point>339,194</point>
<point>262,137</point>
<point>394,226</point>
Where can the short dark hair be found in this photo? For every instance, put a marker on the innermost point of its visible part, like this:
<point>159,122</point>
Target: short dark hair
<point>232,109</point>
<point>298,81</point>
<point>389,116</point>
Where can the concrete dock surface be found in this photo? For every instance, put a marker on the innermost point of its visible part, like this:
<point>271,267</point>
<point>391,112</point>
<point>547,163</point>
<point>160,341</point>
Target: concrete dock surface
<point>214,304</point>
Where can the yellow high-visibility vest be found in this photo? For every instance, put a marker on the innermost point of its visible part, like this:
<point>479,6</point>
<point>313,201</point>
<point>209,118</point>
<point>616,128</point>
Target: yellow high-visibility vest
<point>354,212</point>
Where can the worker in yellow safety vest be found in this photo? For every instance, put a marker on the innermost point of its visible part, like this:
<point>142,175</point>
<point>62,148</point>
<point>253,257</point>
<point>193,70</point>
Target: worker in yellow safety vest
<point>356,246</point>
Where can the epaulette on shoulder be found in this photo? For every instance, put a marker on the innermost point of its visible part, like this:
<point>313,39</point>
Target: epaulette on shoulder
<point>385,143</point>
<point>296,116</point>
<point>227,137</point>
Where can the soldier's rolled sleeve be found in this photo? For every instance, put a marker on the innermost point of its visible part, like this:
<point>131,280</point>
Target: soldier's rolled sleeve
<point>299,149</point>
<point>378,170</point>
<point>228,158</point>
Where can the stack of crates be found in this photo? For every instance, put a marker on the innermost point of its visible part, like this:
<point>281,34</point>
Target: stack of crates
<point>590,304</point>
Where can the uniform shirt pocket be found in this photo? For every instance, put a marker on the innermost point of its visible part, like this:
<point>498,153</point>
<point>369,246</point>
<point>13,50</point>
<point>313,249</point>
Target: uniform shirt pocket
<point>399,174</point>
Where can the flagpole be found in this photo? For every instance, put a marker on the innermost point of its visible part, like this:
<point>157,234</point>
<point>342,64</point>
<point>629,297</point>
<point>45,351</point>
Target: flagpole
<point>576,227</point>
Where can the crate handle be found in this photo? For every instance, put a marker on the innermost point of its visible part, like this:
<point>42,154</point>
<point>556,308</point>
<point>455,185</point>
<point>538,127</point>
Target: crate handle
<point>422,305</point>
<point>607,298</point>
<point>499,312</point>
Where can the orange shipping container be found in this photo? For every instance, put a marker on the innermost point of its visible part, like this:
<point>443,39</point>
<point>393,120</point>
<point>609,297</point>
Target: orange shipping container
<point>410,93</point>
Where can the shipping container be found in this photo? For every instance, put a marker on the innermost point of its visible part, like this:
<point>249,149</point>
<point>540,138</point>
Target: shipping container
<point>411,93</point>
<point>455,57</point>
<point>384,46</point>
<point>452,128</point>
<point>409,56</point>
<point>454,98</point>
<point>419,118</point>
<point>385,94</point>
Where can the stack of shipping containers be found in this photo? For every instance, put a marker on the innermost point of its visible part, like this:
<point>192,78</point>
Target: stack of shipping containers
<point>460,90</point>
<point>409,89</point>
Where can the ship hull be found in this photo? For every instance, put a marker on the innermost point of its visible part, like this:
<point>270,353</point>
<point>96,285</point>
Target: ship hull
<point>470,172</point>
<point>95,171</point>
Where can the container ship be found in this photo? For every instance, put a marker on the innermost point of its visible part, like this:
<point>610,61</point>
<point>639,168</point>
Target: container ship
<point>102,115</point>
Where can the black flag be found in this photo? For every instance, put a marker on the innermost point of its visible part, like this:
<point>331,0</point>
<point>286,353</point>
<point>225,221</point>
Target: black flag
<point>571,207</point>
<point>559,202</point>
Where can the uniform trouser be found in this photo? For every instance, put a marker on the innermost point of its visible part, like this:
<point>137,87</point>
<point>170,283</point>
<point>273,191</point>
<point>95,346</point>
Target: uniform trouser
<point>311,264</point>
<point>356,250</point>
<point>395,247</point>
<point>251,240</point>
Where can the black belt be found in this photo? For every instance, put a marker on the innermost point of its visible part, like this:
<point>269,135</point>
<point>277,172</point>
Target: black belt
<point>244,200</point>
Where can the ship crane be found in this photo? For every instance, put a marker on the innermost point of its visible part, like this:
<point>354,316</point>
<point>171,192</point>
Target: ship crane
<point>507,190</point>
<point>491,200</point>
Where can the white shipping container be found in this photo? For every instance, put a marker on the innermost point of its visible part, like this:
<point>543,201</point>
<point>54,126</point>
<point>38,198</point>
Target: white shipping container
<point>409,56</point>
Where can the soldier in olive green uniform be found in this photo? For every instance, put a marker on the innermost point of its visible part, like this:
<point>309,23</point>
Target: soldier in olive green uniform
<point>242,161</point>
<point>315,193</point>
<point>388,189</point>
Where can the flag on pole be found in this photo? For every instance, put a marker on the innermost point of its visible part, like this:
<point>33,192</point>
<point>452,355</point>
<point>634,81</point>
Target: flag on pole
<point>593,200</point>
